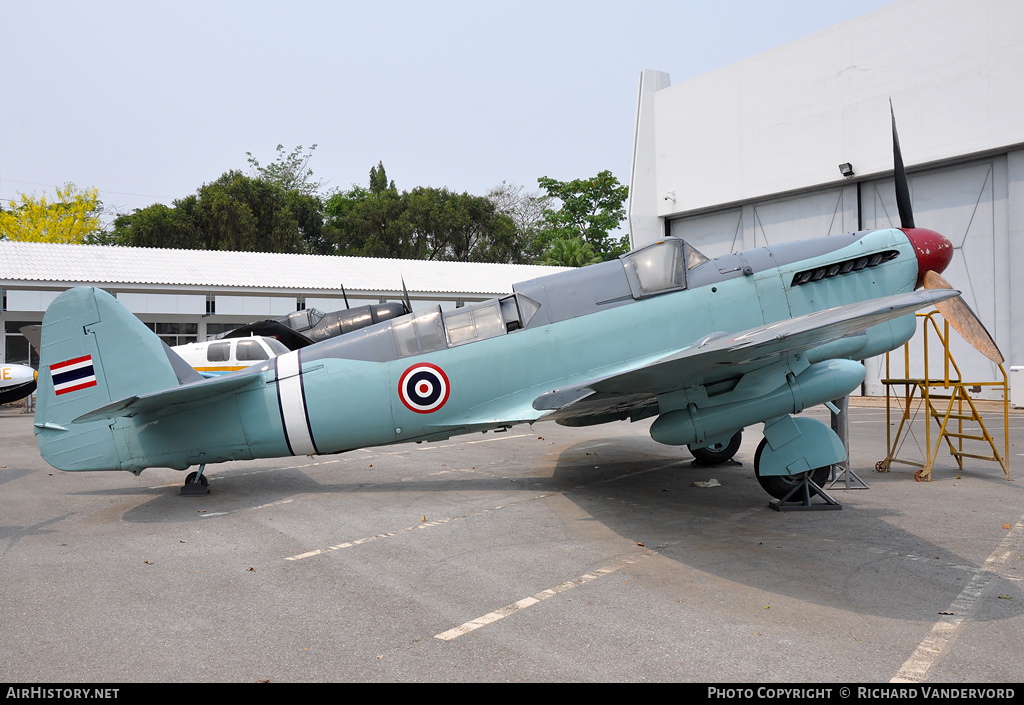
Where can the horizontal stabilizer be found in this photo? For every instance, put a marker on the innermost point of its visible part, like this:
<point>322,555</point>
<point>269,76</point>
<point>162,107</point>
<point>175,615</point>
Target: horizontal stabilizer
<point>168,398</point>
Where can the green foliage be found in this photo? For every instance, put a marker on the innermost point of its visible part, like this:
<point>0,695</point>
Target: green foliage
<point>379,179</point>
<point>235,212</point>
<point>570,252</point>
<point>289,171</point>
<point>425,223</point>
<point>591,209</point>
<point>367,222</point>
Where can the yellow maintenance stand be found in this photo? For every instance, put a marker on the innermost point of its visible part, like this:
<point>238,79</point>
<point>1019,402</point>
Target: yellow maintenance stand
<point>948,402</point>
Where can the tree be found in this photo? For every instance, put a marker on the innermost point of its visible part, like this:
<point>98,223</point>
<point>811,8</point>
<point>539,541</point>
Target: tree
<point>157,225</point>
<point>570,252</point>
<point>425,223</point>
<point>459,227</point>
<point>235,212</point>
<point>72,217</point>
<point>591,209</point>
<point>289,171</point>
<point>527,213</point>
<point>368,222</point>
<point>379,179</point>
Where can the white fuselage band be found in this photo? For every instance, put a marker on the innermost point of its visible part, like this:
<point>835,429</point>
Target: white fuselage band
<point>292,399</point>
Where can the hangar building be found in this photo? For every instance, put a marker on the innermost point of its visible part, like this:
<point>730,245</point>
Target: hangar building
<point>751,154</point>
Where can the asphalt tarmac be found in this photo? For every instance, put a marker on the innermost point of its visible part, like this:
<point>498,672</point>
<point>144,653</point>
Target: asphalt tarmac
<point>538,554</point>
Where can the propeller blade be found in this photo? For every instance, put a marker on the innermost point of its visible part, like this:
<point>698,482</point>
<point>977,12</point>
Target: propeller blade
<point>900,177</point>
<point>405,297</point>
<point>963,319</point>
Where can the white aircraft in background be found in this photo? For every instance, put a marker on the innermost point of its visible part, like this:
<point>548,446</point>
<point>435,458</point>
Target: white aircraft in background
<point>16,382</point>
<point>213,358</point>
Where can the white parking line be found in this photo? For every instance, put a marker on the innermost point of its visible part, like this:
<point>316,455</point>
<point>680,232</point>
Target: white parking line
<point>494,616</point>
<point>500,438</point>
<point>414,527</point>
<point>933,645</point>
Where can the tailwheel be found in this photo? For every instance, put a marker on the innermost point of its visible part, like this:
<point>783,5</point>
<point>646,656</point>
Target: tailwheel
<point>196,483</point>
<point>782,486</point>
<point>718,453</point>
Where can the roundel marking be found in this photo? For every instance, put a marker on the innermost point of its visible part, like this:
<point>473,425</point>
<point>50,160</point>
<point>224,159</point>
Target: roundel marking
<point>424,388</point>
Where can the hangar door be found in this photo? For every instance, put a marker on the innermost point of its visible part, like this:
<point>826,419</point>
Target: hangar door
<point>963,203</point>
<point>827,212</point>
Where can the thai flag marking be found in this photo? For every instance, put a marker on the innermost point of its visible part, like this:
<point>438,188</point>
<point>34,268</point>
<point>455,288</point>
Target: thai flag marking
<point>72,375</point>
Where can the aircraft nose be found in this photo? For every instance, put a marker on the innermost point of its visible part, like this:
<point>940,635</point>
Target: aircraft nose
<point>934,251</point>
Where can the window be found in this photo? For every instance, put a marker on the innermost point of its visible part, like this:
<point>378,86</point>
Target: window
<point>660,267</point>
<point>250,351</point>
<point>176,333</point>
<point>276,346</point>
<point>218,352</point>
<point>477,323</point>
<point>694,257</point>
<point>418,333</point>
<point>17,351</point>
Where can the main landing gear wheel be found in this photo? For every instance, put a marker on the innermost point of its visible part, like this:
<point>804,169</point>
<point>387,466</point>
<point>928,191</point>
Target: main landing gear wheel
<point>779,486</point>
<point>718,453</point>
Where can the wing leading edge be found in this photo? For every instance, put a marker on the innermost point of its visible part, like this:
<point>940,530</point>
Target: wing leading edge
<point>740,352</point>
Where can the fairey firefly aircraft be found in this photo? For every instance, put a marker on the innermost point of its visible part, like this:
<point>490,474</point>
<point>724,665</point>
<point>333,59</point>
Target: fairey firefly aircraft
<point>706,347</point>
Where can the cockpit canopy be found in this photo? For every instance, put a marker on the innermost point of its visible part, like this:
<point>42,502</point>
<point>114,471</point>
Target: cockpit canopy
<point>657,269</point>
<point>660,267</point>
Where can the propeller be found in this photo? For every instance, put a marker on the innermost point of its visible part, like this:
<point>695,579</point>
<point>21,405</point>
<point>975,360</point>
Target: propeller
<point>900,175</point>
<point>963,319</point>
<point>934,253</point>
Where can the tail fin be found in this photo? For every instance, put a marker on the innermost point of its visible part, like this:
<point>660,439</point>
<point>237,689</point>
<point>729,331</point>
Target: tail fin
<point>93,352</point>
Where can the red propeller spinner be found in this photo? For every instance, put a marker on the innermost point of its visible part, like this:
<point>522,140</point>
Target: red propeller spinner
<point>934,251</point>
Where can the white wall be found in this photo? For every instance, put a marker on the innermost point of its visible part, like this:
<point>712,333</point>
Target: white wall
<point>193,304</point>
<point>270,306</point>
<point>783,120</point>
<point>26,300</point>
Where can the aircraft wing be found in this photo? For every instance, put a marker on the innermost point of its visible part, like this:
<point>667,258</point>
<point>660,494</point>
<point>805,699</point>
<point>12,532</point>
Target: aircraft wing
<point>726,356</point>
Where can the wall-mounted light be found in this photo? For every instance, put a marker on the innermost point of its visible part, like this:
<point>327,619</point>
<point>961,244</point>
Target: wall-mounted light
<point>670,196</point>
<point>846,169</point>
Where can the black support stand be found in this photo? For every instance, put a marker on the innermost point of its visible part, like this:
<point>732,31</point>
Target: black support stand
<point>798,499</point>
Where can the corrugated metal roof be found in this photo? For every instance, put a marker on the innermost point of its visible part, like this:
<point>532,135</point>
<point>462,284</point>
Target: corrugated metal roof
<point>102,264</point>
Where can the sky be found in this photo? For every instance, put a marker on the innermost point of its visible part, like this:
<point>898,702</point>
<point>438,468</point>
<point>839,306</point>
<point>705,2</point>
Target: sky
<point>148,101</point>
